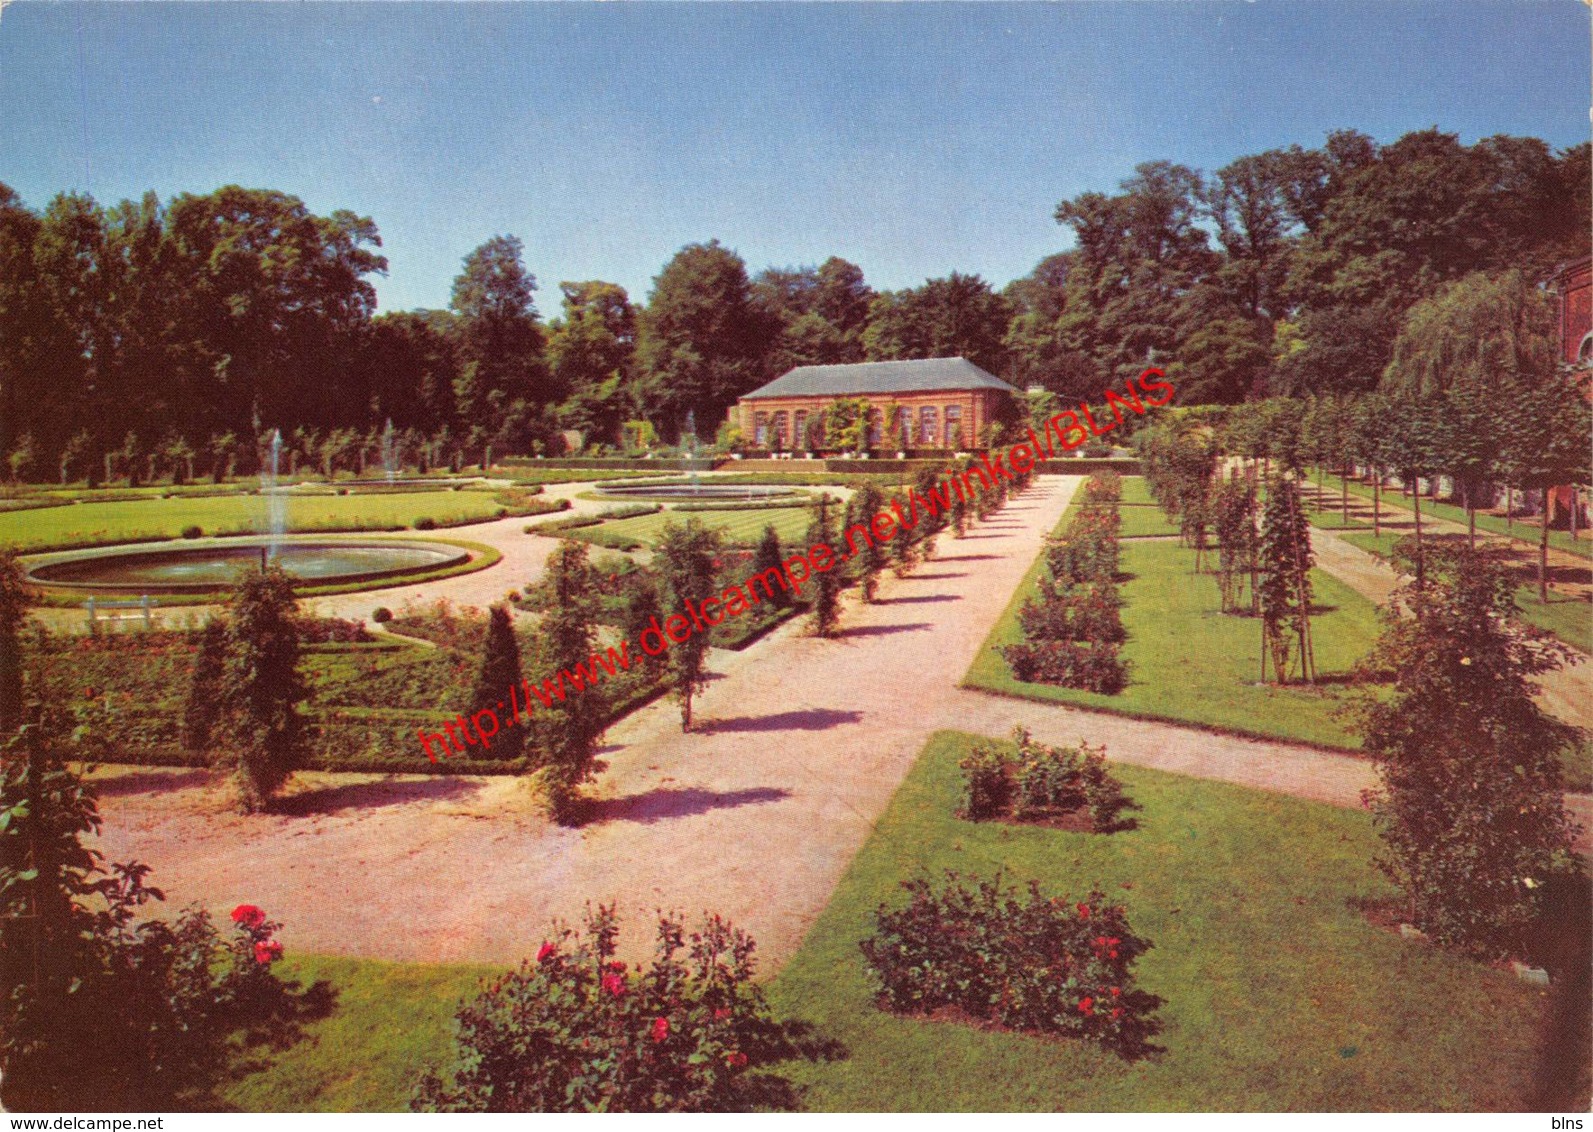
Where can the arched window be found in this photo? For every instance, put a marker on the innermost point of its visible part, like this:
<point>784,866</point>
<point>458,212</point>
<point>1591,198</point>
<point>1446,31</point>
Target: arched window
<point>928,426</point>
<point>953,426</point>
<point>799,436</point>
<point>760,429</point>
<point>781,419</point>
<point>876,427</point>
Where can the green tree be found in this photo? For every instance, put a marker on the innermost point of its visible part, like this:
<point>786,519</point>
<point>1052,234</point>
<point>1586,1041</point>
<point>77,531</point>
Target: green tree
<point>769,557</point>
<point>1466,351</point>
<point>958,316</point>
<point>868,557</point>
<point>592,350</point>
<point>704,342</point>
<point>499,672</point>
<point>263,685</point>
<point>207,691</point>
<point>1546,447</point>
<point>1284,584</point>
<point>569,732</point>
<point>1233,508</point>
<point>1470,807</point>
<point>826,584</point>
<point>502,340</point>
<point>685,558</point>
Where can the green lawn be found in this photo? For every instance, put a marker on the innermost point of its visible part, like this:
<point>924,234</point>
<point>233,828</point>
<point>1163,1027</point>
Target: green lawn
<point>738,527</point>
<point>1136,493</point>
<point>1279,995</point>
<point>92,523</point>
<point>391,1021</point>
<point>1496,524</point>
<point>1567,616</point>
<point>1139,522</point>
<point>1194,664</point>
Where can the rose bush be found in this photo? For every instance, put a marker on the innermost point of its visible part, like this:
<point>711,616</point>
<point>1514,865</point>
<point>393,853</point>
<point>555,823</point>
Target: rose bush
<point>1038,781</point>
<point>1042,965</point>
<point>575,1030</point>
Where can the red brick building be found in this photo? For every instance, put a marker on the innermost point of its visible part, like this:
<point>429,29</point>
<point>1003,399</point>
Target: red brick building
<point>933,403</point>
<point>1573,283</point>
<point>1573,286</point>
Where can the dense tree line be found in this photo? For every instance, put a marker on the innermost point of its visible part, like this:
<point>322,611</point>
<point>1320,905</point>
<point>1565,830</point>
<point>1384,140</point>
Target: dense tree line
<point>1289,271</point>
<point>168,338</point>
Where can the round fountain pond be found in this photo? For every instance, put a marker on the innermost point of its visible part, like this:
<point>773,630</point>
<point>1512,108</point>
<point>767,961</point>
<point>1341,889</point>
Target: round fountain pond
<point>208,569</point>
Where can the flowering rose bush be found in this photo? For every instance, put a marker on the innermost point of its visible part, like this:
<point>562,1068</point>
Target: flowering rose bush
<point>1045,965</point>
<point>574,1030</point>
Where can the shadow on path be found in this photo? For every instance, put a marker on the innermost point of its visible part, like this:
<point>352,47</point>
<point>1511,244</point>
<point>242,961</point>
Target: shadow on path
<point>918,600</point>
<point>884,630</point>
<point>935,577</point>
<point>368,795</point>
<point>670,802</point>
<point>965,557</point>
<point>808,719</point>
<point>148,782</point>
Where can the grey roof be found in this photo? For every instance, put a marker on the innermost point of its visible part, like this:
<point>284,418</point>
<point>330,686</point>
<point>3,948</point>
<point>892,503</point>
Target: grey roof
<point>927,376</point>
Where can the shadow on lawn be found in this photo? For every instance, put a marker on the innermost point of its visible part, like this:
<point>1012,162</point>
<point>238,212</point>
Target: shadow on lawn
<point>362,795</point>
<point>669,802</point>
<point>808,719</point>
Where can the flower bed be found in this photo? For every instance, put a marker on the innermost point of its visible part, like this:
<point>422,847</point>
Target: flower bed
<point>574,1030</point>
<point>1075,628</point>
<point>1068,787</point>
<point>1043,965</point>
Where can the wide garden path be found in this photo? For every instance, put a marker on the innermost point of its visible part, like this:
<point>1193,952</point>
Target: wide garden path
<point>804,742</point>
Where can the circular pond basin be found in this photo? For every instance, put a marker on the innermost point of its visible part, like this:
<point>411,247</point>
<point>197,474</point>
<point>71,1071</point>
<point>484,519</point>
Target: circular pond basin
<point>207,569</point>
<point>693,491</point>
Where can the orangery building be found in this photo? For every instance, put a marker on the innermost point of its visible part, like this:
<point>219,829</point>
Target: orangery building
<point>931,403</point>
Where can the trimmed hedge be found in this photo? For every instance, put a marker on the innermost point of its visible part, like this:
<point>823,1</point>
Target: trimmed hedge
<point>598,463</point>
<point>1122,465</point>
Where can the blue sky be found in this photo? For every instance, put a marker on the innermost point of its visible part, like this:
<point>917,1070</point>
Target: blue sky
<point>913,139</point>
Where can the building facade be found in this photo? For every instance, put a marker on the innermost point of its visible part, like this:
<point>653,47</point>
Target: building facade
<point>1573,285</point>
<point>932,403</point>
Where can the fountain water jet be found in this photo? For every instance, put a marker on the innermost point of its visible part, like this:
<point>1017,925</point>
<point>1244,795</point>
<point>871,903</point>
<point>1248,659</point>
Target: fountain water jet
<point>276,501</point>
<point>389,452</point>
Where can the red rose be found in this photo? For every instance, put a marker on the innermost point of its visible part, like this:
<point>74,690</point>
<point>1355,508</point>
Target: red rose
<point>543,952</point>
<point>267,951</point>
<point>1086,1005</point>
<point>721,1014</point>
<point>1114,941</point>
<point>1117,1012</point>
<point>660,1029</point>
<point>1084,911</point>
<point>248,915</point>
<point>614,984</point>
<point>1112,954</point>
<point>1117,991</point>
<point>736,1059</point>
